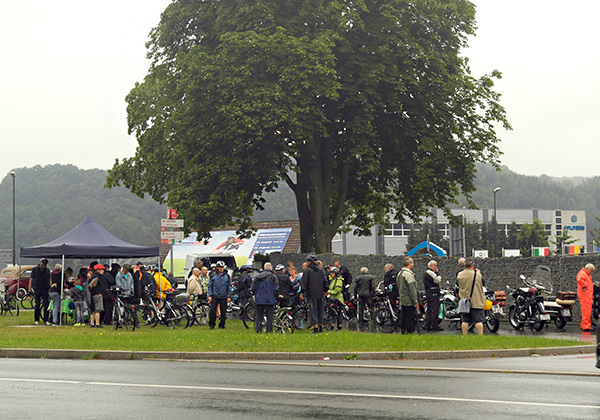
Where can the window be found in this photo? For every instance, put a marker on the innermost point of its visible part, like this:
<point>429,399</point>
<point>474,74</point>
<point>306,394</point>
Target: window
<point>399,229</point>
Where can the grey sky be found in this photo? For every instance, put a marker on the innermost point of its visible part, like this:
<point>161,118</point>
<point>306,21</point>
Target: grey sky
<point>68,65</point>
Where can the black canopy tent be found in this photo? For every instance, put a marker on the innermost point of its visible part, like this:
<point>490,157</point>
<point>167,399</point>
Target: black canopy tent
<point>87,240</point>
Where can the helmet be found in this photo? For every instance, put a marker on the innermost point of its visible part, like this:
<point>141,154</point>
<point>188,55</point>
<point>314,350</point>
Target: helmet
<point>44,260</point>
<point>311,258</point>
<point>220,263</point>
<point>334,269</point>
<point>279,267</point>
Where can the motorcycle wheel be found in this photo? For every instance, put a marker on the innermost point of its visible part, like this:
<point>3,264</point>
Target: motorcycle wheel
<point>538,325</point>
<point>513,318</point>
<point>559,321</point>
<point>491,323</point>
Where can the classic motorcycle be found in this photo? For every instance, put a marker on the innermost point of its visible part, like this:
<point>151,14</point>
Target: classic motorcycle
<point>560,307</point>
<point>528,308</point>
<point>448,307</point>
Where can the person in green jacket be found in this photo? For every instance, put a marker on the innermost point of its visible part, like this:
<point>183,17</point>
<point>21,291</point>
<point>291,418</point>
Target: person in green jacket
<point>336,286</point>
<point>407,289</point>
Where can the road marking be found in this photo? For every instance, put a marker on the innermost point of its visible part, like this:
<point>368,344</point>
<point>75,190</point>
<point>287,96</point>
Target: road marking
<point>393,367</point>
<point>318,393</point>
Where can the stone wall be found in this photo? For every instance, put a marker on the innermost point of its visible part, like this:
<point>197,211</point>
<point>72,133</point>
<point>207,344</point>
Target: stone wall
<point>498,272</point>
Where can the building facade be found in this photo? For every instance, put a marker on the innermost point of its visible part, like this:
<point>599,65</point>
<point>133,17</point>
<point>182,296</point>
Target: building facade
<point>395,236</point>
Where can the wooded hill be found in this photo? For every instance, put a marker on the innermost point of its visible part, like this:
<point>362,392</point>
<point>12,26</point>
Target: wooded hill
<point>51,200</point>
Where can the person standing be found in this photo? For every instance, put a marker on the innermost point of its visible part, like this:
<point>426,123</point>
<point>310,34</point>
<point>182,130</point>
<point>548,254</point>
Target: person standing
<point>336,287</point>
<point>470,285</point>
<point>204,278</point>
<point>407,289</point>
<point>193,283</point>
<point>265,287</point>
<point>285,286</point>
<point>314,286</point>
<point>347,278</point>
<point>244,283</point>
<point>585,293</point>
<point>108,280</point>
<point>363,288</point>
<point>54,293</point>
<point>124,280</point>
<point>96,292</point>
<point>40,282</point>
<point>431,281</point>
<point>219,291</point>
<point>77,294</point>
<point>390,284</point>
<point>138,288</point>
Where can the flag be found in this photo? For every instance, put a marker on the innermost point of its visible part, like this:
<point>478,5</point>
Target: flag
<point>540,251</point>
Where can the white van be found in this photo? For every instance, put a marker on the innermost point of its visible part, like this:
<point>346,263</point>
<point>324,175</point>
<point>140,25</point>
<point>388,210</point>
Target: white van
<point>207,259</point>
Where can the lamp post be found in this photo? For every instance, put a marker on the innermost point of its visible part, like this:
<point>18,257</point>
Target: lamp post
<point>495,221</point>
<point>14,175</point>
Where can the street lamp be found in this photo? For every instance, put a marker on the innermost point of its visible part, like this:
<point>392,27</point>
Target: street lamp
<point>495,221</point>
<point>14,175</point>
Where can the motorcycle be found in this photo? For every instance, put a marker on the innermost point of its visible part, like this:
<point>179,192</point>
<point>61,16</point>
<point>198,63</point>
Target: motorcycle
<point>528,308</point>
<point>448,307</point>
<point>560,307</point>
<point>494,308</point>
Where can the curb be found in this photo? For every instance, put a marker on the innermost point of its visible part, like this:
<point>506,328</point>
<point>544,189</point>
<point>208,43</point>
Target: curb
<point>411,355</point>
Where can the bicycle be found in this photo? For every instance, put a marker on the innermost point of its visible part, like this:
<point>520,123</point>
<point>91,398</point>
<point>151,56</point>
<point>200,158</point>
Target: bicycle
<point>123,315</point>
<point>283,322</point>
<point>8,303</point>
<point>172,314</point>
<point>27,299</point>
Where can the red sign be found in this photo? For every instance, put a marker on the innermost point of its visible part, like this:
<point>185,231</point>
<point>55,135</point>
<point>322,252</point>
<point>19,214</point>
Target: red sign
<point>172,214</point>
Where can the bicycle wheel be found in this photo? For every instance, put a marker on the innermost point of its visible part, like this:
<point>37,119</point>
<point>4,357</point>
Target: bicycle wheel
<point>146,315</point>
<point>21,293</point>
<point>329,319</point>
<point>129,320</point>
<point>12,305</point>
<point>301,318</point>
<point>249,315</point>
<point>175,317</point>
<point>28,301</point>
<point>201,314</point>
<point>385,321</point>
<point>189,314</point>
<point>286,324</point>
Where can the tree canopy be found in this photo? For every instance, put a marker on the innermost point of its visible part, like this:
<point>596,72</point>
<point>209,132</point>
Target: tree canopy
<point>366,109</point>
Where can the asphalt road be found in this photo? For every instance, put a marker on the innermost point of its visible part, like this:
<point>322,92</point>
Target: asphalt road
<point>93,389</point>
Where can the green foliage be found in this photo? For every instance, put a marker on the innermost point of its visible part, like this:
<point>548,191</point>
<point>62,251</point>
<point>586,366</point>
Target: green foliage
<point>369,104</point>
<point>53,199</point>
<point>531,235</point>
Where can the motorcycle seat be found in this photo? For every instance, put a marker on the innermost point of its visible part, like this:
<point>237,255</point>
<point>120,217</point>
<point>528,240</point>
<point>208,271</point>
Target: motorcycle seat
<point>551,298</point>
<point>565,302</point>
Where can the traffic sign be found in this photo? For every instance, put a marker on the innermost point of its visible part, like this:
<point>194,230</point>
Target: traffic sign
<point>176,236</point>
<point>172,223</point>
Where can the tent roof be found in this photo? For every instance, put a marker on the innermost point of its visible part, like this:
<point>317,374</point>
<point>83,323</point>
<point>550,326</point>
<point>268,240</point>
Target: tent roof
<point>88,240</point>
<point>432,247</point>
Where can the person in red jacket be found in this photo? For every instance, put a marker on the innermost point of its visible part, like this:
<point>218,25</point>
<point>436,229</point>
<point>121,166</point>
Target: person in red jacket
<point>585,293</point>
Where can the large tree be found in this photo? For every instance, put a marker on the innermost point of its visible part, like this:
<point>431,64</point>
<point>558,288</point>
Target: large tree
<point>365,108</point>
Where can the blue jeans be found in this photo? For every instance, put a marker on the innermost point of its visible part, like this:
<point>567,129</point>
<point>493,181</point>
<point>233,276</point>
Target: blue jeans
<point>55,298</point>
<point>316,311</point>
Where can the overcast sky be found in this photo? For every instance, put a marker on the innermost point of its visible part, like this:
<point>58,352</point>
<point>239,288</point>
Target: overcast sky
<point>67,66</point>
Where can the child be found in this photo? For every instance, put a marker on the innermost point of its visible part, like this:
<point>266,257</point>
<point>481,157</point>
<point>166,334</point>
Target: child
<point>77,295</point>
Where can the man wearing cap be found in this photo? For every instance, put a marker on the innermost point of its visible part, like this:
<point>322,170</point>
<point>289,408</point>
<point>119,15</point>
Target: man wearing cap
<point>470,285</point>
<point>219,291</point>
<point>40,281</point>
<point>314,286</point>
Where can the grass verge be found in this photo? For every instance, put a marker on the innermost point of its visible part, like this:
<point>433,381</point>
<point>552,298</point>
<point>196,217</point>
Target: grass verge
<point>236,338</point>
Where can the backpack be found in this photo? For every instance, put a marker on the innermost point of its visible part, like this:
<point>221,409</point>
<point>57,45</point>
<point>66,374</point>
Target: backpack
<point>148,284</point>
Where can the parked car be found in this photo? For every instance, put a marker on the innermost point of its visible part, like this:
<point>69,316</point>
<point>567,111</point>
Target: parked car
<point>8,276</point>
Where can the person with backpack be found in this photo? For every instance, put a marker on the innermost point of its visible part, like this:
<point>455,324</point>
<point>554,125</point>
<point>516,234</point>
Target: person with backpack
<point>336,287</point>
<point>96,290</point>
<point>265,287</point>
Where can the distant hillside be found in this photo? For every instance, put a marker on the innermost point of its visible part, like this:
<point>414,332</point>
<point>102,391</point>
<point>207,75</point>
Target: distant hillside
<point>53,199</point>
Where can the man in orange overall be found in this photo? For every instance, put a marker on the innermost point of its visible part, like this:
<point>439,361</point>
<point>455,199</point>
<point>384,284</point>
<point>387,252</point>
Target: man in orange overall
<point>585,293</point>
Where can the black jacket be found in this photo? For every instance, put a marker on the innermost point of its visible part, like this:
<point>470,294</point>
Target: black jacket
<point>363,286</point>
<point>41,279</point>
<point>431,287</point>
<point>389,279</point>
<point>107,280</point>
<point>313,282</point>
<point>285,287</point>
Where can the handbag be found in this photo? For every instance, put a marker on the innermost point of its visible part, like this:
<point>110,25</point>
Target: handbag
<point>464,305</point>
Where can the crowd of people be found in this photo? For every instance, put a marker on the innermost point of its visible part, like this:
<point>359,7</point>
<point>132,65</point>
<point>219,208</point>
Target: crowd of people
<point>91,289</point>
